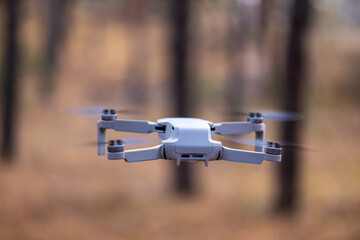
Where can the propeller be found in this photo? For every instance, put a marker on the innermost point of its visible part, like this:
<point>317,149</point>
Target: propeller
<point>274,115</point>
<point>255,142</point>
<point>127,141</point>
<point>94,110</point>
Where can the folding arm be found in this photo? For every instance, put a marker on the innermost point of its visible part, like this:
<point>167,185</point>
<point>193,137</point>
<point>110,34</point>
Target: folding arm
<point>232,128</point>
<point>128,125</point>
<point>137,126</point>
<point>137,155</point>
<point>238,155</point>
<point>260,138</point>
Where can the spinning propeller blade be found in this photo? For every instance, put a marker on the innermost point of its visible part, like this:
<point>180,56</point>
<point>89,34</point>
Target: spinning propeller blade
<point>254,142</point>
<point>93,110</point>
<point>276,115</point>
<point>126,141</point>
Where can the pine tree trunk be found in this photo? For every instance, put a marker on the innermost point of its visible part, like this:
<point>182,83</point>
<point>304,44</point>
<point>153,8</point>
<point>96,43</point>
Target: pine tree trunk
<point>295,82</point>
<point>9,81</point>
<point>183,183</point>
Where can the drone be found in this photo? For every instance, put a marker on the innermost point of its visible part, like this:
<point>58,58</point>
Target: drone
<point>187,140</point>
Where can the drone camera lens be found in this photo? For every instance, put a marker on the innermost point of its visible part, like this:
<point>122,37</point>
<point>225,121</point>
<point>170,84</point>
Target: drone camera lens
<point>106,111</point>
<point>258,115</point>
<point>112,111</point>
<point>119,142</point>
<point>269,144</point>
<point>251,114</point>
<point>111,142</point>
<point>277,145</point>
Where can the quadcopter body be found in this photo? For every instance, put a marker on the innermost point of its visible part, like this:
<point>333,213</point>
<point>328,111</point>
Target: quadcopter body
<point>186,139</point>
<point>189,139</point>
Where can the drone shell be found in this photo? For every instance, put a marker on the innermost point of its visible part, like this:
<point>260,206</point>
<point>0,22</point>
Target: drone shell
<point>188,138</point>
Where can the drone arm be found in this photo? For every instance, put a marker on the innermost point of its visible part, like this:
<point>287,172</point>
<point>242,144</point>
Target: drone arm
<point>260,138</point>
<point>137,126</point>
<point>144,154</point>
<point>101,139</point>
<point>238,155</point>
<point>232,128</point>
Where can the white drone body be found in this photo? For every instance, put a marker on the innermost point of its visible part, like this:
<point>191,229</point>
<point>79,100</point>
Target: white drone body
<point>186,139</point>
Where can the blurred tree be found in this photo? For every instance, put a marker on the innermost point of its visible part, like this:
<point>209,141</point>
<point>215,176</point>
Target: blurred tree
<point>9,79</point>
<point>136,15</point>
<point>237,34</point>
<point>265,9</point>
<point>55,24</point>
<point>294,101</point>
<point>277,33</point>
<point>180,12</point>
